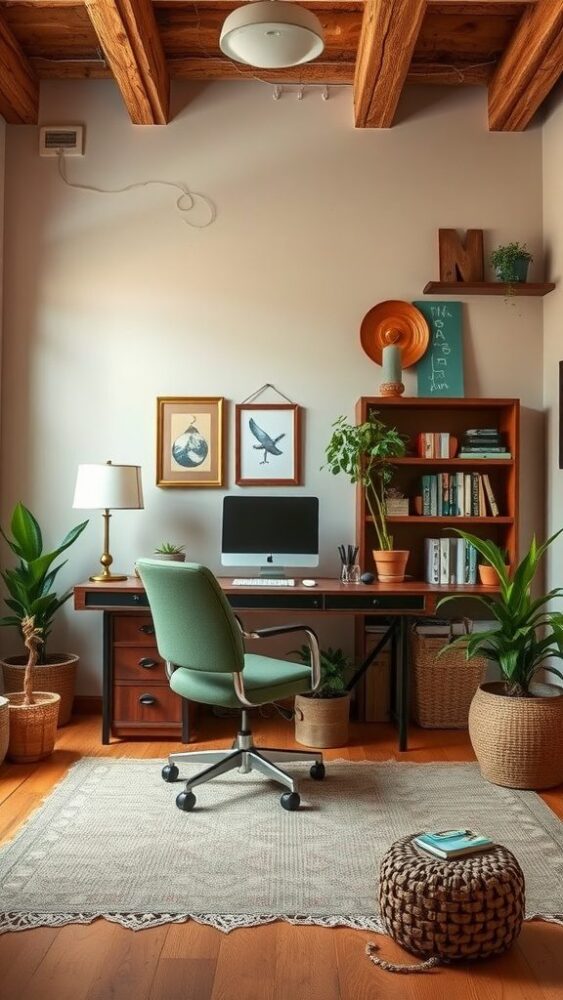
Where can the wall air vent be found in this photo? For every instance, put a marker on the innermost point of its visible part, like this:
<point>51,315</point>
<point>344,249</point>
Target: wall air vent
<point>68,138</point>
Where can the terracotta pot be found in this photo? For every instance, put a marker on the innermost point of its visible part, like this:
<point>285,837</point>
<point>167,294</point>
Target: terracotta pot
<point>391,564</point>
<point>57,675</point>
<point>518,741</point>
<point>488,575</point>
<point>4,726</point>
<point>322,722</point>
<point>33,728</point>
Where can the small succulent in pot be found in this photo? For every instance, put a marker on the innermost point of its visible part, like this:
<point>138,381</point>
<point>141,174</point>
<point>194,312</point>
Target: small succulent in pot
<point>511,262</point>
<point>170,551</point>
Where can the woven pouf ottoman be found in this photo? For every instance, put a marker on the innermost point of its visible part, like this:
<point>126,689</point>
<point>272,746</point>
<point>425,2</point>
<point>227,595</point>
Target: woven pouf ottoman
<point>464,908</point>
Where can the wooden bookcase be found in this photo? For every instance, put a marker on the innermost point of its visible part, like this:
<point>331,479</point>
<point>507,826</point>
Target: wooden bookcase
<point>415,414</point>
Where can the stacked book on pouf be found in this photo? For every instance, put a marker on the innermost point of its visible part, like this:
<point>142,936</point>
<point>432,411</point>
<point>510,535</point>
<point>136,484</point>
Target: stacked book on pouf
<point>483,442</point>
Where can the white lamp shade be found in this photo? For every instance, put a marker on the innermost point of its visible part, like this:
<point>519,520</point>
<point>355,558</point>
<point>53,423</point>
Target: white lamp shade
<point>272,34</point>
<point>108,486</point>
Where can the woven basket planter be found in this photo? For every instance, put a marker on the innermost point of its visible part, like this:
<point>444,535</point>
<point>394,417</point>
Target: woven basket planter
<point>464,908</point>
<point>322,722</point>
<point>4,727</point>
<point>518,741</point>
<point>57,675</point>
<point>33,728</point>
<point>443,686</point>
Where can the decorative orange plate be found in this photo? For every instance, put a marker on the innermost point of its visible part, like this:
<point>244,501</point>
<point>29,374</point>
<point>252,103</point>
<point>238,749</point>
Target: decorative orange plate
<point>395,322</point>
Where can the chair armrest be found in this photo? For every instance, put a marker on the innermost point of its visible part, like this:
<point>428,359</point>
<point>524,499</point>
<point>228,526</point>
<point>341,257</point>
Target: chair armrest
<point>266,633</point>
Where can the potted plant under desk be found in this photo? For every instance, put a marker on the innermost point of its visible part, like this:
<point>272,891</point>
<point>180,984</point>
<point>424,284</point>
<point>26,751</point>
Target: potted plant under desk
<point>365,453</point>
<point>322,717</point>
<point>31,595</point>
<point>516,724</point>
<point>33,714</point>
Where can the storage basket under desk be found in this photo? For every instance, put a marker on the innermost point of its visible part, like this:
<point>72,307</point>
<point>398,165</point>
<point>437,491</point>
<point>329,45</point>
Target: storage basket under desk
<point>442,686</point>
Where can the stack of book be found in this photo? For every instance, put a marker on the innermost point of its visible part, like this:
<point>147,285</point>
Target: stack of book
<point>453,843</point>
<point>483,442</point>
<point>458,494</point>
<point>432,444</point>
<point>449,561</point>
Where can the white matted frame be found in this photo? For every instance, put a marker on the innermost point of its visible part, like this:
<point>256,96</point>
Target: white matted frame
<point>268,444</point>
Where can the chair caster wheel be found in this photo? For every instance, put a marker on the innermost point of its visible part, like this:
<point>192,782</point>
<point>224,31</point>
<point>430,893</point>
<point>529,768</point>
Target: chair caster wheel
<point>290,801</point>
<point>185,801</point>
<point>170,772</point>
<point>317,771</point>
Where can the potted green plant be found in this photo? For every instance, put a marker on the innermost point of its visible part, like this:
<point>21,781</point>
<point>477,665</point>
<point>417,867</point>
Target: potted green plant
<point>322,717</point>
<point>511,262</point>
<point>516,723</point>
<point>31,592</point>
<point>365,453</point>
<point>170,552</point>
<point>33,714</point>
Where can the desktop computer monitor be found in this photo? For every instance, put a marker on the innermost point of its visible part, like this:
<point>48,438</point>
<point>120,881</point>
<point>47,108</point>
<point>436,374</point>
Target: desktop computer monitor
<point>270,532</point>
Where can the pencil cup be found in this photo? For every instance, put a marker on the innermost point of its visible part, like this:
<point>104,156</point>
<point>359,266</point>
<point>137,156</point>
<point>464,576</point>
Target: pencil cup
<point>350,574</point>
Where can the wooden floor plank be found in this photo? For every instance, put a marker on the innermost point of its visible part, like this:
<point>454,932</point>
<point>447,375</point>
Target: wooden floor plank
<point>275,962</point>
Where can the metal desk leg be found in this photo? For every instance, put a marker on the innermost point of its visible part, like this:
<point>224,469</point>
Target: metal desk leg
<point>107,685</point>
<point>403,684</point>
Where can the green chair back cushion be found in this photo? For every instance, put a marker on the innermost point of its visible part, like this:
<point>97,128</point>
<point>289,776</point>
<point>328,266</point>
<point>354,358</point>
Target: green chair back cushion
<point>194,624</point>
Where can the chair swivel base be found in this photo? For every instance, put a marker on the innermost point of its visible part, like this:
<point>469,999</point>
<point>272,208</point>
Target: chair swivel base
<point>245,757</point>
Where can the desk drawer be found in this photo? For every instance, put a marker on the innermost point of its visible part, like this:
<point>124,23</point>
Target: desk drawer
<point>134,628</point>
<point>138,663</point>
<point>145,703</point>
<point>374,602</point>
<point>270,601</point>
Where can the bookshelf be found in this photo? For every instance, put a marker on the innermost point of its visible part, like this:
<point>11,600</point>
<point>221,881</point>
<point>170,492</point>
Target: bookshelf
<point>415,414</point>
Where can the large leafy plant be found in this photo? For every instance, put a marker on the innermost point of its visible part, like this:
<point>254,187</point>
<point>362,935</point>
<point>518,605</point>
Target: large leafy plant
<point>334,665</point>
<point>528,635</point>
<point>365,453</point>
<point>30,583</point>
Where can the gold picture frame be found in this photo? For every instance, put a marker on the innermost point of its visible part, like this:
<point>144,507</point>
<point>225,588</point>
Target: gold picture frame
<point>190,431</point>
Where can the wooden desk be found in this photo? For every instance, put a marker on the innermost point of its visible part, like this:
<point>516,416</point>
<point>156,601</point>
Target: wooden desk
<point>137,700</point>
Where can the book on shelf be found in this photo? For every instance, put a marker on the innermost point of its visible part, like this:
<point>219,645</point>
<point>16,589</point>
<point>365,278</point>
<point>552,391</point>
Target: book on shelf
<point>484,454</point>
<point>457,494</point>
<point>486,442</point>
<point>436,444</point>
<point>453,843</point>
<point>450,561</point>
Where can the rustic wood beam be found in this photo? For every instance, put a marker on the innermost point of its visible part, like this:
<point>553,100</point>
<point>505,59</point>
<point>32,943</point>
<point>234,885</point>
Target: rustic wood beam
<point>528,69</point>
<point>19,87</point>
<point>389,32</point>
<point>130,40</point>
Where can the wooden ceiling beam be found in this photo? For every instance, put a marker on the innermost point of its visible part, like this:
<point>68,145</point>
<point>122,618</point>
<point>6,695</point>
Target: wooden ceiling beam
<point>389,32</point>
<point>528,69</point>
<point>130,40</point>
<point>19,87</point>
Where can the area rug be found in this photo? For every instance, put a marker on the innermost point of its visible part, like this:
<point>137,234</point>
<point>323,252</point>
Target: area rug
<point>110,842</point>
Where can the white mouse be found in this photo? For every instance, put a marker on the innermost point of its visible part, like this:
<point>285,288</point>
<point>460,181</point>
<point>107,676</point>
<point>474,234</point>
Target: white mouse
<point>309,583</point>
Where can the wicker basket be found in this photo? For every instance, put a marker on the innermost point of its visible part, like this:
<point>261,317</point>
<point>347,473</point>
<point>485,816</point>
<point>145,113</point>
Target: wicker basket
<point>33,728</point>
<point>443,686</point>
<point>58,675</point>
<point>465,908</point>
<point>4,726</point>
<point>518,741</point>
<point>322,722</point>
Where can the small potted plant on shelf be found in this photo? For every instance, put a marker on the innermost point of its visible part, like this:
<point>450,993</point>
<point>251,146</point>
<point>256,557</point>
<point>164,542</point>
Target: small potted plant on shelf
<point>516,723</point>
<point>511,262</point>
<point>33,714</point>
<point>322,717</point>
<point>488,574</point>
<point>170,552</point>
<point>31,595</point>
<point>365,453</point>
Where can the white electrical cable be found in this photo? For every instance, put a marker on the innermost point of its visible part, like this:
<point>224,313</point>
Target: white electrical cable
<point>186,203</point>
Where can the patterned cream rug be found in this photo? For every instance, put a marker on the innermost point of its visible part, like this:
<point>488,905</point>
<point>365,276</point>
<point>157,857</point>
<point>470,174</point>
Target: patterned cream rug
<point>110,842</point>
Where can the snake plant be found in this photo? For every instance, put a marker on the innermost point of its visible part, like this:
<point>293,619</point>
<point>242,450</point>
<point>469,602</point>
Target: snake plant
<point>528,635</point>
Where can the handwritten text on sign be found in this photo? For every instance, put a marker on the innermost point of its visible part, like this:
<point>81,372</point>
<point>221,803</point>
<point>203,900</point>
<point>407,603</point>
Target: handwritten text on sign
<point>440,371</point>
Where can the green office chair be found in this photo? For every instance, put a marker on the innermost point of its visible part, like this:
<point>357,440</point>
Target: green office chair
<point>202,644</point>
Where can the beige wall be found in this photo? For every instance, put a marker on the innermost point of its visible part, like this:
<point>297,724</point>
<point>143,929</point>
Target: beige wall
<point>553,320</point>
<point>111,301</point>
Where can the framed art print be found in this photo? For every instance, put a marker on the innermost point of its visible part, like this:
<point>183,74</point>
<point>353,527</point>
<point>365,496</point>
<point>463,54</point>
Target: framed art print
<point>268,444</point>
<point>189,443</point>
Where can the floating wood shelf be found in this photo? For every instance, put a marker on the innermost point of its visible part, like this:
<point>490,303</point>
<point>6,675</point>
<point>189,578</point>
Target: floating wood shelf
<point>488,288</point>
<point>456,462</point>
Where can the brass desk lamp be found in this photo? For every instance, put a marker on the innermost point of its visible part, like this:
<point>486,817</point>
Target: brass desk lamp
<point>108,487</point>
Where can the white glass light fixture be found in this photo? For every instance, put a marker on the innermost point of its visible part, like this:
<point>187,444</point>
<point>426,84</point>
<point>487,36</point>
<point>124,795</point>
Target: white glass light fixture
<point>272,34</point>
<point>108,487</point>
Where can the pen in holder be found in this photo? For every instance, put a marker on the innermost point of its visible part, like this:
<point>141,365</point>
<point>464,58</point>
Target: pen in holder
<point>349,571</point>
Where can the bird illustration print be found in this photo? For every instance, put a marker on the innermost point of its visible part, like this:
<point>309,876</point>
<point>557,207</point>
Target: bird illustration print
<point>266,444</point>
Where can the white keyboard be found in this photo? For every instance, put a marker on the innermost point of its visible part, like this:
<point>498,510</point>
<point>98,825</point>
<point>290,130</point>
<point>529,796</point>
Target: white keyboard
<point>261,581</point>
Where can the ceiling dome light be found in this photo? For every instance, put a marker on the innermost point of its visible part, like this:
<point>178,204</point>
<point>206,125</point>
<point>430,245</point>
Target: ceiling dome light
<point>271,34</point>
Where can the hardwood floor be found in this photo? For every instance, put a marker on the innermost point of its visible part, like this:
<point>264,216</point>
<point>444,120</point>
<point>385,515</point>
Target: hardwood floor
<point>274,962</point>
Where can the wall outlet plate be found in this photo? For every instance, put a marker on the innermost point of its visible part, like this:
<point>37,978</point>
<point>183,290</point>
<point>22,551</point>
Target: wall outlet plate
<point>68,139</point>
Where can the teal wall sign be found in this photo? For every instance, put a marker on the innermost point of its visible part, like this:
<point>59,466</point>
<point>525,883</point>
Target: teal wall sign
<point>440,371</point>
